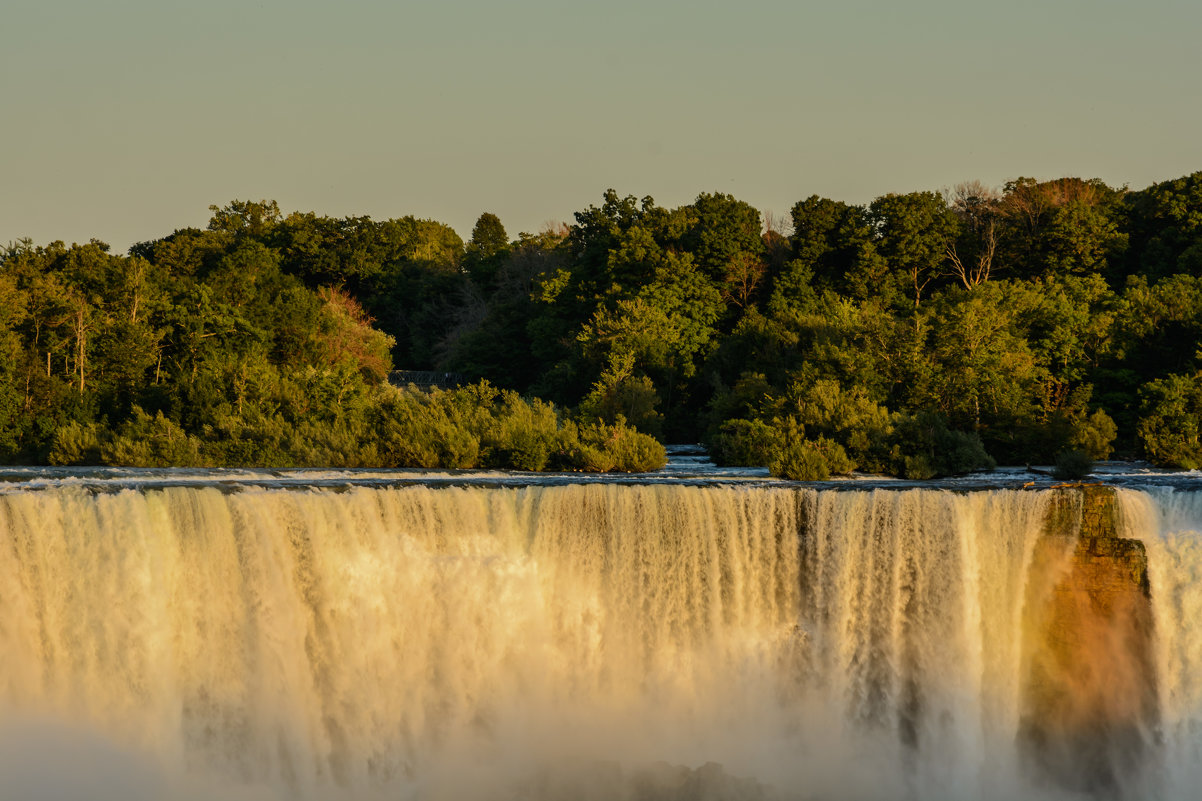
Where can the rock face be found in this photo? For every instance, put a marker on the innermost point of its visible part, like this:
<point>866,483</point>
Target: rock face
<point>1090,702</point>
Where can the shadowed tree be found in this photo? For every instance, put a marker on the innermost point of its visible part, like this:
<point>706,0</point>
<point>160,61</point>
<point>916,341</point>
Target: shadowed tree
<point>1165,224</point>
<point>487,250</point>
<point>1068,225</point>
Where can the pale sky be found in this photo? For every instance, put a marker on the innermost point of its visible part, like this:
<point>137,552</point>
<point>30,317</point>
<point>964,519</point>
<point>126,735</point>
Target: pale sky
<point>126,119</point>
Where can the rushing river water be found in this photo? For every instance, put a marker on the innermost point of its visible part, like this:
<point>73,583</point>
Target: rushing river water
<point>696,634</point>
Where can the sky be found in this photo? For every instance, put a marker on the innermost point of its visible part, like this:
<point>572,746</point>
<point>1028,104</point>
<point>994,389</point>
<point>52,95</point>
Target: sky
<point>123,120</point>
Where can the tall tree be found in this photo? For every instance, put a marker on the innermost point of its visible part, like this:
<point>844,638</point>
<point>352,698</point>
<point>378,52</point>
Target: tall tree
<point>914,232</point>
<point>725,238</point>
<point>487,250</point>
<point>1165,225</point>
<point>833,248</point>
<point>1065,225</point>
<point>971,255</point>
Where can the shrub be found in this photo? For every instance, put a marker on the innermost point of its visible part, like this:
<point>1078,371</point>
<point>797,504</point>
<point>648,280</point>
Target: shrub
<point>845,414</point>
<point>479,426</point>
<point>1094,435</point>
<point>1072,465</point>
<point>802,459</point>
<point>632,398</point>
<point>76,444</point>
<point>633,451</point>
<point>145,441</point>
<point>589,459</point>
<point>1170,425</point>
<point>924,447</point>
<point>744,443</point>
<point>521,435</point>
<point>254,440</point>
<point>918,467</point>
<point>414,430</point>
<point>812,460</point>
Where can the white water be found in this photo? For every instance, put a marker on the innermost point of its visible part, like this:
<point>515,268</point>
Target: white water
<point>1170,525</point>
<point>541,642</point>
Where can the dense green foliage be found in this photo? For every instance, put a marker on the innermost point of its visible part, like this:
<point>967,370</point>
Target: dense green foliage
<point>242,345</point>
<point>922,334</point>
<point>470,427</point>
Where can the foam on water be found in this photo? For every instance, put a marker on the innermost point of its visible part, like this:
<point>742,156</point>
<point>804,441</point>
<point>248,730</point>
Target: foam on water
<point>464,642</point>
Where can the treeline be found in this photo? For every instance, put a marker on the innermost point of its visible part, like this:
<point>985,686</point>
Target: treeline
<point>210,348</point>
<point>918,335</point>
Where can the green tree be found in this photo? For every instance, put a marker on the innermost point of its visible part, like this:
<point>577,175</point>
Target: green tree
<point>1164,223</point>
<point>487,250</point>
<point>247,218</point>
<point>725,238</point>
<point>985,377</point>
<point>1068,225</point>
<point>1166,227</point>
<point>914,234</point>
<point>833,248</point>
<point>1170,424</point>
<point>659,335</point>
<point>12,313</point>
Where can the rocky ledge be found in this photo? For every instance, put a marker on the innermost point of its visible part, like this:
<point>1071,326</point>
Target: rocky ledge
<point>1090,702</point>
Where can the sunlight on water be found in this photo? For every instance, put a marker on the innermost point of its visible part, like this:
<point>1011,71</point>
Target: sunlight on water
<point>1170,525</point>
<point>574,642</point>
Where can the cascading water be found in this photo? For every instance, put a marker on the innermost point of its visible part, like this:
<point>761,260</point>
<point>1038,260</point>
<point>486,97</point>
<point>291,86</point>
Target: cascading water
<point>1170,525</point>
<point>544,642</point>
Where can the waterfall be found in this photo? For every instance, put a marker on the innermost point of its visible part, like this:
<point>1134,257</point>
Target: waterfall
<point>542,642</point>
<point>1170,525</point>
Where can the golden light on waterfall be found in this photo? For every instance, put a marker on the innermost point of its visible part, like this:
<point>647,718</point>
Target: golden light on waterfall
<point>599,641</point>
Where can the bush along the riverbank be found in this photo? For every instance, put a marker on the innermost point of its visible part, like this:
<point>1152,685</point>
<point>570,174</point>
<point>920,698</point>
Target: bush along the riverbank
<point>477,426</point>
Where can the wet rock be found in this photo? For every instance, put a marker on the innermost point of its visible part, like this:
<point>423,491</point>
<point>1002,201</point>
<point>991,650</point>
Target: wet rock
<point>1090,699</point>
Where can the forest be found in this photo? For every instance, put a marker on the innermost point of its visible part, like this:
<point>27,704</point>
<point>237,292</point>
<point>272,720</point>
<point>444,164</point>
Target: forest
<point>919,335</point>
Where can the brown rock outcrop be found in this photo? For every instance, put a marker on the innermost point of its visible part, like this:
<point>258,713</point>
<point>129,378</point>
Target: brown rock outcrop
<point>1090,701</point>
